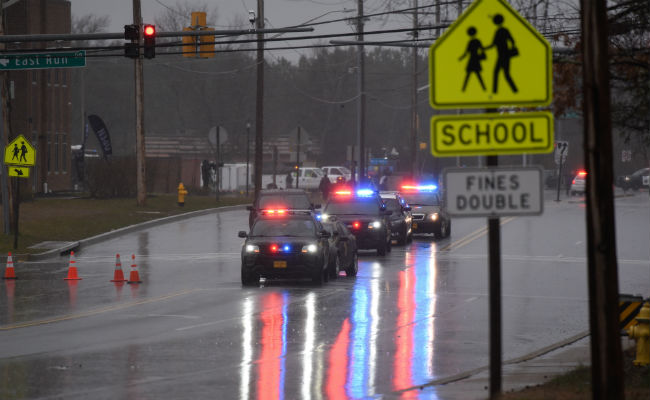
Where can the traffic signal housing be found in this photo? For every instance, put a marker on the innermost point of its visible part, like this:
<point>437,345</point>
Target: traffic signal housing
<point>149,33</point>
<point>132,33</point>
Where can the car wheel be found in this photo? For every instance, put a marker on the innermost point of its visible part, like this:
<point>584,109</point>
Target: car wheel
<point>335,267</point>
<point>249,278</point>
<point>354,266</point>
<point>448,228</point>
<point>381,250</point>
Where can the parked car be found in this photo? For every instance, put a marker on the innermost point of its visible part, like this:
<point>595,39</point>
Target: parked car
<point>334,172</point>
<point>635,180</point>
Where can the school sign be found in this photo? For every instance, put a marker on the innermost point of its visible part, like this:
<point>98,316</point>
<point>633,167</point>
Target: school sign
<point>490,57</point>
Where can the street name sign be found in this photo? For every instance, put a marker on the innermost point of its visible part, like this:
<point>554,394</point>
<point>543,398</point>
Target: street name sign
<point>490,57</point>
<point>19,152</point>
<point>19,172</point>
<point>69,59</point>
<point>491,134</point>
<point>495,192</point>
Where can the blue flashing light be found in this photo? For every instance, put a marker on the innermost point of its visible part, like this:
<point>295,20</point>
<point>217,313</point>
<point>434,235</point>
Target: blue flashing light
<point>428,188</point>
<point>365,192</point>
<point>286,248</point>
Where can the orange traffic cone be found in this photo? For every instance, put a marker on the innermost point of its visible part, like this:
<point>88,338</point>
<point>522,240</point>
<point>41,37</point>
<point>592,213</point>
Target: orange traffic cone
<point>9,271</point>
<point>72,269</point>
<point>135,276</point>
<point>118,276</point>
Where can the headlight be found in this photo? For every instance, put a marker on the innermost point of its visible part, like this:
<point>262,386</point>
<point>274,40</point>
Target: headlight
<point>324,217</point>
<point>434,217</point>
<point>374,225</point>
<point>251,248</point>
<point>310,248</point>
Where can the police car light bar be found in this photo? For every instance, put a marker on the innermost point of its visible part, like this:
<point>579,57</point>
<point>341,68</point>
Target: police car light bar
<point>274,211</point>
<point>365,192</point>
<point>420,188</point>
<point>343,193</point>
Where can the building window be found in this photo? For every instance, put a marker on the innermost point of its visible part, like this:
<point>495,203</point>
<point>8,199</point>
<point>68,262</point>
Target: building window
<point>56,76</point>
<point>49,152</point>
<point>34,77</point>
<point>64,153</point>
<point>57,166</point>
<point>64,78</point>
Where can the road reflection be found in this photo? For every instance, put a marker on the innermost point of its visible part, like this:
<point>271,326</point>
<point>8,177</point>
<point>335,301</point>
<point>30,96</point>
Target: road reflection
<point>349,363</point>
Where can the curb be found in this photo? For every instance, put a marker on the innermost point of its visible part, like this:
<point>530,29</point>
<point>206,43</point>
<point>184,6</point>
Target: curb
<point>74,246</point>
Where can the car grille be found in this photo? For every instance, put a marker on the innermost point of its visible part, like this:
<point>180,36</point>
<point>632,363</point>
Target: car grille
<point>418,217</point>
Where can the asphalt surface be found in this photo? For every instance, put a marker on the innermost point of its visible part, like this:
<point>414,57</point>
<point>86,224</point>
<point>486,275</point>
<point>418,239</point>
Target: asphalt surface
<point>408,326</point>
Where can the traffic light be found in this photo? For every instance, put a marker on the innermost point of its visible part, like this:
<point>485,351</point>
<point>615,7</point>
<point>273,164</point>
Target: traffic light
<point>149,41</point>
<point>132,33</point>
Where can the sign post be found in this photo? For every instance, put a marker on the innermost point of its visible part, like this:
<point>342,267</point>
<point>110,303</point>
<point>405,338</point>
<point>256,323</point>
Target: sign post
<point>491,57</point>
<point>561,152</point>
<point>19,154</point>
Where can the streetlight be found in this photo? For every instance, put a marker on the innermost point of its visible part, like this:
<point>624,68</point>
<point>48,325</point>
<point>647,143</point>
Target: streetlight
<point>248,153</point>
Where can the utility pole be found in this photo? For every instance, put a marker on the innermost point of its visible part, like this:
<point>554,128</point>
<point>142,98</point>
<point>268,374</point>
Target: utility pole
<point>248,152</point>
<point>361,102</point>
<point>298,159</point>
<point>259,102</point>
<point>139,115</point>
<point>4,136</point>
<point>414,97</point>
<point>217,181</point>
<point>606,355</point>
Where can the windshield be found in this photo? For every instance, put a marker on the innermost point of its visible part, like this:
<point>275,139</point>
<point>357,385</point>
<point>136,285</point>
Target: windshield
<point>283,227</point>
<point>421,199</point>
<point>393,204</point>
<point>353,207</point>
<point>295,202</point>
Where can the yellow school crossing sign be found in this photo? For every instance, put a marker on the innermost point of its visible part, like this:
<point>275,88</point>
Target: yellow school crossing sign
<point>490,57</point>
<point>20,152</point>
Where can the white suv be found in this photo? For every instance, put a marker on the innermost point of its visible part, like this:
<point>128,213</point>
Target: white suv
<point>333,172</point>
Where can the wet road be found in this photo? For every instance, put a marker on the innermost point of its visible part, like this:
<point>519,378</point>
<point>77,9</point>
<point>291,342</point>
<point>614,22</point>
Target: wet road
<point>190,329</point>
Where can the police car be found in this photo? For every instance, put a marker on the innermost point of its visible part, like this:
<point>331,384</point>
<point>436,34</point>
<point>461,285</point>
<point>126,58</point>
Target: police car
<point>364,213</point>
<point>429,215</point>
<point>285,244</point>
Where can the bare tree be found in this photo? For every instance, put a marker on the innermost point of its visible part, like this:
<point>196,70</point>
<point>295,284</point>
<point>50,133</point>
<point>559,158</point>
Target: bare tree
<point>89,23</point>
<point>178,16</point>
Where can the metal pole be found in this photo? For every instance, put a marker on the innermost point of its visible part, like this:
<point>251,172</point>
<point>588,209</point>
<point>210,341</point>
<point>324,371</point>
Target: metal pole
<point>494,242</point>
<point>559,177</point>
<point>298,159</point>
<point>139,115</point>
<point>259,101</point>
<point>606,355</point>
<point>217,180</point>
<point>414,95</point>
<point>248,152</point>
<point>361,102</point>
<point>16,213</point>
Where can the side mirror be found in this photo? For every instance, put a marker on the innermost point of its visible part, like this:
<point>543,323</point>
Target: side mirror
<point>316,206</point>
<point>242,234</point>
<point>249,208</point>
<point>382,207</point>
<point>325,234</point>
<point>407,208</point>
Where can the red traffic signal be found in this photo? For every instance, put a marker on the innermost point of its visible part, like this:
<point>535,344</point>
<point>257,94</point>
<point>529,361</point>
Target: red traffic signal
<point>149,30</point>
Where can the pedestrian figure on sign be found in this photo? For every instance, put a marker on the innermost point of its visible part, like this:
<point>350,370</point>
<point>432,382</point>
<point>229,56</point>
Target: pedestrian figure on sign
<point>506,49</point>
<point>16,151</point>
<point>476,55</point>
<point>324,186</point>
<point>23,152</point>
<point>288,181</point>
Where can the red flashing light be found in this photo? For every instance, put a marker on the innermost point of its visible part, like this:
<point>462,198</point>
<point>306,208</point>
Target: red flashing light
<point>274,211</point>
<point>356,224</point>
<point>343,193</point>
<point>274,248</point>
<point>149,30</point>
<point>582,174</point>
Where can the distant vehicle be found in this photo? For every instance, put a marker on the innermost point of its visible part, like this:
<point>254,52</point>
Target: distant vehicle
<point>343,249</point>
<point>428,211</point>
<point>364,213</point>
<point>635,180</point>
<point>334,172</point>
<point>400,219</point>
<point>308,178</point>
<point>579,183</point>
<point>289,199</point>
<point>285,244</point>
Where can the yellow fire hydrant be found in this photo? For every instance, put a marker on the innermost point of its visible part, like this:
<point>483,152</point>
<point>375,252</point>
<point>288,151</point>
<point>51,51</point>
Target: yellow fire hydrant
<point>641,333</point>
<point>181,194</point>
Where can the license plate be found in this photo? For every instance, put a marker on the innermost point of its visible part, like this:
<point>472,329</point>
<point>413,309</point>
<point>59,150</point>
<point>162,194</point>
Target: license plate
<point>415,225</point>
<point>279,264</point>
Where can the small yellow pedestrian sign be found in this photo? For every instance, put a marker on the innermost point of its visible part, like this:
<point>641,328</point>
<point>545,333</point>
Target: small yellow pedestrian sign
<point>490,57</point>
<point>20,152</point>
<point>19,172</point>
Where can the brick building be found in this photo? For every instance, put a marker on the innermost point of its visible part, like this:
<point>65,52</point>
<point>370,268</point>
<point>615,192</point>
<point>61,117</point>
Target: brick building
<point>40,99</point>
